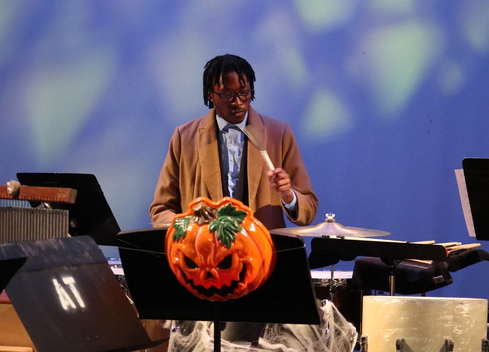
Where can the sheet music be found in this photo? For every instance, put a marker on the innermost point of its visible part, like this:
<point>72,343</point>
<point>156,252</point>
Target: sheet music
<point>464,198</point>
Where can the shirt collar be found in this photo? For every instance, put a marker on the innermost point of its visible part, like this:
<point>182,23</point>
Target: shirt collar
<point>221,123</point>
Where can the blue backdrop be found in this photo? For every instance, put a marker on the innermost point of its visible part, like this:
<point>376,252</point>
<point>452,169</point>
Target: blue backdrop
<point>386,98</point>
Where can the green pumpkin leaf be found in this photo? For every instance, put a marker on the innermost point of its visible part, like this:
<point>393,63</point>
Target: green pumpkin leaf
<point>226,225</point>
<point>180,226</point>
<point>229,211</point>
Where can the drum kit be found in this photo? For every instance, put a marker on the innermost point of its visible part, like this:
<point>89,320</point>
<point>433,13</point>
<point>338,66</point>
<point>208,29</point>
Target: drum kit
<point>397,323</point>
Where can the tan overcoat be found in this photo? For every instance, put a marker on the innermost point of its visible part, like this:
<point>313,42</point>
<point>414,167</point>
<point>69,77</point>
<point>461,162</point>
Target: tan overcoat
<point>192,169</point>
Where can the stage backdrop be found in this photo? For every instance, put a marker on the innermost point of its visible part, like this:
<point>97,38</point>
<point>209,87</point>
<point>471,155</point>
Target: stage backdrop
<point>385,97</point>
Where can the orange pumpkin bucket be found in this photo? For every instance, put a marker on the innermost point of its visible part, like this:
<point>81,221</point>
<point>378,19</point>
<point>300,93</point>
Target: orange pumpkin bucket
<point>218,250</point>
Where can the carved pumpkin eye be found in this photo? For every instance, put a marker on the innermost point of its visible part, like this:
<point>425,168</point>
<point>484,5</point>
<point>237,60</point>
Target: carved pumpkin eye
<point>190,263</point>
<point>225,263</point>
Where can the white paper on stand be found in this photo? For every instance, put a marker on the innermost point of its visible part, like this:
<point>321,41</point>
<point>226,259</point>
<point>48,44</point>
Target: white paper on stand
<point>464,198</point>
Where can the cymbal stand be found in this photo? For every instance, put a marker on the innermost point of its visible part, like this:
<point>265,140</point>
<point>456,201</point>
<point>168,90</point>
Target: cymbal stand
<point>331,284</point>
<point>392,263</point>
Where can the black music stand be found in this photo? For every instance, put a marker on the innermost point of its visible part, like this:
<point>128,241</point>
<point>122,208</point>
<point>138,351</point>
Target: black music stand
<point>476,174</point>
<point>90,215</point>
<point>287,297</point>
<point>8,268</point>
<point>328,249</point>
<point>68,299</point>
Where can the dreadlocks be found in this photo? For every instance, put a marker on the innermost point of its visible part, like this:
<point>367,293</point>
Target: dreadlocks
<point>215,71</point>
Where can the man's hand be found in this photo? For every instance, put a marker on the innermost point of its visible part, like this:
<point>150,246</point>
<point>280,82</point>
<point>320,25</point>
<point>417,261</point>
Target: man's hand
<point>280,181</point>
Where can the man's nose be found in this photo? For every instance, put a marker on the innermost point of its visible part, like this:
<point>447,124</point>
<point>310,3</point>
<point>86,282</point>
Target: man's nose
<point>236,100</point>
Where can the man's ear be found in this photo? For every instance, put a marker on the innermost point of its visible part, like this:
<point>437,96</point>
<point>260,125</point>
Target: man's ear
<point>209,96</point>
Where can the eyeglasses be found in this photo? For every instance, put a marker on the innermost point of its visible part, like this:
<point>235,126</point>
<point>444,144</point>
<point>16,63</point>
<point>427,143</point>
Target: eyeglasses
<point>243,95</point>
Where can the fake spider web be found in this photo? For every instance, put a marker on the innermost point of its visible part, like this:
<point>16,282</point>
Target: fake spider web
<point>334,334</point>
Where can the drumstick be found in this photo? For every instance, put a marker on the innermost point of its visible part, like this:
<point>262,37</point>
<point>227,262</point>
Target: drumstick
<point>462,247</point>
<point>453,248</point>
<point>259,145</point>
<point>423,261</point>
<point>450,244</point>
<point>424,242</point>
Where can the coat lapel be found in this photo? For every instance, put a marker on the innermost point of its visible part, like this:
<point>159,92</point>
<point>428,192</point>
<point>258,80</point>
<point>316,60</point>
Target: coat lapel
<point>208,149</point>
<point>256,164</point>
<point>209,156</point>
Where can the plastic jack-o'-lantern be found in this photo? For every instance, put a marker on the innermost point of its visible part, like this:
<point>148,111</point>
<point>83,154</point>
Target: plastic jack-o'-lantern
<point>218,250</point>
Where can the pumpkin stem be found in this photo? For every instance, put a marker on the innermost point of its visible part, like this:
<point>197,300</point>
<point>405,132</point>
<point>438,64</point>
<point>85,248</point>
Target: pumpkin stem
<point>203,214</point>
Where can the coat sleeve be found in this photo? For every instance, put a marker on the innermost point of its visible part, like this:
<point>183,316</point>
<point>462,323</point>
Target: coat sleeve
<point>167,198</point>
<point>293,164</point>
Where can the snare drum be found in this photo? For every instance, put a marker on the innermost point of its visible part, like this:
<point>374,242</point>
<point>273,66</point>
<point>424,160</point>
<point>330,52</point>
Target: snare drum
<point>325,287</point>
<point>347,299</point>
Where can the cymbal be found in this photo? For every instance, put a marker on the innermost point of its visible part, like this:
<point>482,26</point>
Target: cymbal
<point>329,228</point>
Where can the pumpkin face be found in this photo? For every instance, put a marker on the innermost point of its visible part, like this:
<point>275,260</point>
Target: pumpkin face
<point>218,250</point>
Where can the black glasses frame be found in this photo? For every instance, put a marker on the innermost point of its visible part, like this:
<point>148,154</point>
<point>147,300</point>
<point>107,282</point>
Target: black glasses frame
<point>243,95</point>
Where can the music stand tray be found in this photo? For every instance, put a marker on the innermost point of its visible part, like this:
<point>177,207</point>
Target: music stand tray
<point>287,297</point>
<point>90,215</point>
<point>387,250</point>
<point>68,298</point>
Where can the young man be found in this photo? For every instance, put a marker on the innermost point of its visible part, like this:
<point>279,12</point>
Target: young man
<point>211,156</point>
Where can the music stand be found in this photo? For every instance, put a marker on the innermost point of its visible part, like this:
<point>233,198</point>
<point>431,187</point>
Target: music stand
<point>68,299</point>
<point>390,252</point>
<point>8,268</point>
<point>90,215</point>
<point>287,297</point>
<point>476,174</point>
